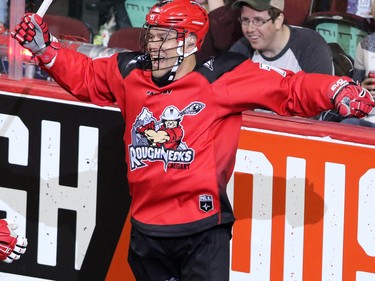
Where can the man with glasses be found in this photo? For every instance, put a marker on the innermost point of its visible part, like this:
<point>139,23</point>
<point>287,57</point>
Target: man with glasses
<point>268,40</point>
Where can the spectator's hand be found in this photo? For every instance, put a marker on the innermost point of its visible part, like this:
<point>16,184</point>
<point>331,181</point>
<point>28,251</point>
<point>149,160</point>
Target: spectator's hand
<point>369,84</point>
<point>11,245</point>
<point>350,99</point>
<point>32,33</point>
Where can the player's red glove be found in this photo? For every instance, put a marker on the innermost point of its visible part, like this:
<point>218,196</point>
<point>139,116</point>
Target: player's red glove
<point>149,126</point>
<point>350,99</point>
<point>11,245</point>
<point>32,33</point>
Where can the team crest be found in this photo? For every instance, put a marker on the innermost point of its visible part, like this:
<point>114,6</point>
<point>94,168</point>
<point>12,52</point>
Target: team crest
<point>206,203</point>
<point>162,139</point>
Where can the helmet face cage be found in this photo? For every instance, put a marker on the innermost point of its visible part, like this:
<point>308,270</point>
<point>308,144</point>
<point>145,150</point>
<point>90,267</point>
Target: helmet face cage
<point>184,17</point>
<point>154,55</point>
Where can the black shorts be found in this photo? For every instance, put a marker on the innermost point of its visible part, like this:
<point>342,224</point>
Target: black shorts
<point>200,257</point>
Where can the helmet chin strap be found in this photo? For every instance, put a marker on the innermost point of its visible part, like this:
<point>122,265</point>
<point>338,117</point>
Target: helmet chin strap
<point>169,76</point>
<point>180,58</point>
<point>180,49</point>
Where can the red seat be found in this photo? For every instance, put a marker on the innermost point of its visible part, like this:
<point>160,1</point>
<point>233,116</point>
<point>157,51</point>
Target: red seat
<point>126,38</point>
<point>339,6</point>
<point>68,28</point>
<point>297,11</point>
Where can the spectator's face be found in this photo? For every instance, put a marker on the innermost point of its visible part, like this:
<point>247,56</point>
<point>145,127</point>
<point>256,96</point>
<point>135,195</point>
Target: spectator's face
<point>261,37</point>
<point>162,46</point>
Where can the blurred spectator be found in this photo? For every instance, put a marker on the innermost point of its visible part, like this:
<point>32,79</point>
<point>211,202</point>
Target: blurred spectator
<point>364,64</point>
<point>3,12</point>
<point>224,28</point>
<point>122,14</point>
<point>364,60</point>
<point>268,40</point>
<point>111,10</point>
<point>112,16</point>
<point>360,8</point>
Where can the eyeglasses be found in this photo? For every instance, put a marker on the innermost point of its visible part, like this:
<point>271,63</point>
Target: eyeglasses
<point>256,21</point>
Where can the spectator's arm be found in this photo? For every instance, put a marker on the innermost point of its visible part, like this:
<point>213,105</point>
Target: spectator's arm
<point>359,72</point>
<point>224,26</point>
<point>214,4</point>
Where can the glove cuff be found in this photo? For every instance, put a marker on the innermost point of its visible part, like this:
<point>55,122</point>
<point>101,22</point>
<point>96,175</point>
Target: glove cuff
<point>336,87</point>
<point>50,52</point>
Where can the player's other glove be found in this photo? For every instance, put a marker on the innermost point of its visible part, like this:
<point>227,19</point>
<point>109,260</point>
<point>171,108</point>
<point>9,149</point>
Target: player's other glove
<point>11,245</point>
<point>32,33</point>
<point>350,99</point>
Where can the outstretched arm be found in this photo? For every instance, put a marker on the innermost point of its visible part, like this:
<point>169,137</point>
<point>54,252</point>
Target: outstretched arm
<point>85,78</point>
<point>252,85</point>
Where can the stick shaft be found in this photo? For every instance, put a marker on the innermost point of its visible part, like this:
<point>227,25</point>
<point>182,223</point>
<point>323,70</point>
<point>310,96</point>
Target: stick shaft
<point>44,7</point>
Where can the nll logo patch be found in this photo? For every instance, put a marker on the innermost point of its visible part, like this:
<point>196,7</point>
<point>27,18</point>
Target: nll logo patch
<point>206,203</point>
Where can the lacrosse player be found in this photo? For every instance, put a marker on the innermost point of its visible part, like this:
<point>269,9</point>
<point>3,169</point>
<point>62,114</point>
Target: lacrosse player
<point>181,216</point>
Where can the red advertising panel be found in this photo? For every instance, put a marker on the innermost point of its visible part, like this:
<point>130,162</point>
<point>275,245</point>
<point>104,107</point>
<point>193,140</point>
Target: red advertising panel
<point>305,208</point>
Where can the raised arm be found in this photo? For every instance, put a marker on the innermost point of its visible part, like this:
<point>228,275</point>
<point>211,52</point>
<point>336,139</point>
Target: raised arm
<point>32,33</point>
<point>86,78</point>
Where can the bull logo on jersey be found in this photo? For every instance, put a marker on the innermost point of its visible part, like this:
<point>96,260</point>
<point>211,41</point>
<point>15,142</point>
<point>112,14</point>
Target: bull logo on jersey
<point>162,140</point>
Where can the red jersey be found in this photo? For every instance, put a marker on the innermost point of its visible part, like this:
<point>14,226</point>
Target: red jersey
<point>182,191</point>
